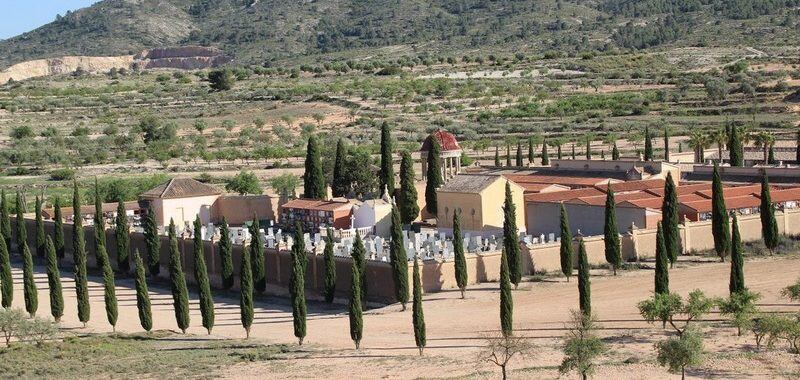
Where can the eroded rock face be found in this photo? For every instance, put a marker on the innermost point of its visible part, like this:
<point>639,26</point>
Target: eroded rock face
<point>182,58</point>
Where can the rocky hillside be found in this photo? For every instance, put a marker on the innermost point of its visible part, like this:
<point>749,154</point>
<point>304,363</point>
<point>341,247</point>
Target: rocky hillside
<point>259,31</point>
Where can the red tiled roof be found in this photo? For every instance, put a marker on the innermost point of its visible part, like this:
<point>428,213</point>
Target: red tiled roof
<point>446,141</point>
<point>599,200</point>
<point>652,203</point>
<point>682,189</point>
<point>520,179</point>
<point>558,196</point>
<point>785,195</point>
<point>731,203</point>
<point>539,187</point>
<point>634,185</point>
<point>316,204</point>
<point>180,188</point>
<point>736,191</point>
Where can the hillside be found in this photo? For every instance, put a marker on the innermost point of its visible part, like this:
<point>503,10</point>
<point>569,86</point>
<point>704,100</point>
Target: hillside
<point>259,31</point>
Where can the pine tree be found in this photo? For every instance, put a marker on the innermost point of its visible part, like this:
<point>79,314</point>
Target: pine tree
<point>418,317</point>
<point>459,261</point>
<point>511,238</point>
<point>662,263</point>
<point>611,233</point>
<point>545,155</point>
<point>330,269</point>
<point>22,228</point>
<point>566,245</point>
<point>719,217</point>
<point>201,277</point>
<point>79,256</point>
<point>354,308</point>
<point>257,257</point>
<point>588,148</point>
<point>142,295</point>
<point>386,175</point>
<point>226,254</point>
<point>41,248</point>
<point>399,260</point>
<point>615,152</point>
<point>666,143</point>
<point>409,209</point>
<point>99,221</point>
<point>769,226</point>
<point>736,284</point>
<point>6,280</point>
<point>297,284</point>
<point>531,154</point>
<point>648,145</point>
<point>246,292</point>
<point>497,156</point>
<point>58,229</point>
<point>508,154</point>
<point>313,179</point>
<point>339,184</point>
<point>180,294</point>
<point>584,285</point>
<point>121,234</point>
<point>359,256</point>
<point>109,293</point>
<point>5,219</point>
<point>54,281</point>
<point>152,242</point>
<point>31,294</point>
<point>506,299</point>
<point>434,176</point>
<point>519,154</point>
<point>669,219</point>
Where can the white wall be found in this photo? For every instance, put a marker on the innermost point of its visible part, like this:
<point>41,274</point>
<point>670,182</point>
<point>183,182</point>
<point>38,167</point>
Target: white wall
<point>182,210</point>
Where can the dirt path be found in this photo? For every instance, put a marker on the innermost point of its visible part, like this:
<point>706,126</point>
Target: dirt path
<point>455,327</point>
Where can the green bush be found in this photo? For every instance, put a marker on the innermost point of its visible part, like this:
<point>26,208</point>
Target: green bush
<point>64,174</point>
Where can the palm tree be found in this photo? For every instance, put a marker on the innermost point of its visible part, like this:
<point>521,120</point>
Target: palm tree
<point>764,140</point>
<point>698,141</point>
<point>720,137</point>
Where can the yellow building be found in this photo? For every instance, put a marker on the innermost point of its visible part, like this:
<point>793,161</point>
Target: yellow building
<point>479,198</point>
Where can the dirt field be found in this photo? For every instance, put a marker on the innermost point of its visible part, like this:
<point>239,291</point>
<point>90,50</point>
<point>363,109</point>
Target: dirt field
<point>455,327</point>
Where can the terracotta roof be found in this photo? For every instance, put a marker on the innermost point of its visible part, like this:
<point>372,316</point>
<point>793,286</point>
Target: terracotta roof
<point>634,185</point>
<point>553,179</point>
<point>559,196</point>
<point>735,191</point>
<point>784,195</point>
<point>652,203</point>
<point>530,188</point>
<point>180,188</point>
<point>446,141</point>
<point>731,203</point>
<point>600,200</point>
<point>469,183</point>
<point>316,204</point>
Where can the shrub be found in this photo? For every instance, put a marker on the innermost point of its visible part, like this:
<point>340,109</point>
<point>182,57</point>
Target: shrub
<point>64,174</point>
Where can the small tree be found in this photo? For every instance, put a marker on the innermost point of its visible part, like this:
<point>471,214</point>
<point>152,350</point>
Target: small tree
<point>615,152</point>
<point>313,178</point>
<point>354,308</point>
<point>12,322</point>
<point>5,219</point>
<point>152,242</point>
<point>506,298</point>
<point>669,220</point>
<point>792,292</point>
<point>297,284</point>
<point>340,185</point>
<point>142,295</point>
<point>581,345</point>
<point>741,308</point>
<point>518,160</point>
<point>79,256</point>
<point>719,218</point>
<point>226,254</point>
<point>670,308</point>
<point>58,229</point>
<point>611,233</point>
<point>121,232</point>
<point>500,349</point>
<point>545,155</point>
<point>418,317</point>
<point>221,80</point>
<point>399,260</point>
<point>662,269</point>
<point>244,183</point>
<point>22,228</point>
<point>41,249</point>
<point>566,245</point>
<point>99,221</point>
<point>201,277</point>
<point>680,352</point>
<point>386,173</point>
<point>511,238</point>
<point>434,176</point>
<point>736,284</point>
<point>180,295</point>
<point>459,260</point>
<point>53,281</point>
<point>409,209</point>
<point>329,291</point>
<point>648,145</point>
<point>666,143</point>
<point>30,292</point>
<point>246,292</point>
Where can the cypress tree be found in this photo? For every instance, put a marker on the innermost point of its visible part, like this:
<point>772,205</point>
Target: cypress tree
<point>58,229</point>
<point>418,317</point>
<point>409,209</point>
<point>297,284</point>
<point>386,175</point>
<point>584,285</point>
<point>54,281</point>
<point>719,217</point>
<point>330,269</point>
<point>339,185</point>
<point>497,156</point>
<point>508,154</point>
<point>109,293</point>
<point>152,242</point>
<point>566,245</point>
<point>6,280</point>
<point>354,308</point>
<point>736,284</point>
<point>5,219</point>
<point>99,220</point>
<point>180,295</point>
<point>573,149</point>
<point>588,148</point>
<point>558,152</point>
<point>545,155</point>
<point>611,233</point>
<point>662,263</point>
<point>257,257</point>
<point>531,155</point>
<point>246,292</point>
<point>615,152</point>
<point>399,260</point>
<point>519,154</point>
<point>31,294</point>
<point>121,234</point>
<point>648,145</point>
<point>459,261</point>
<point>769,226</point>
<point>511,238</point>
<point>434,176</point>
<point>79,256</point>
<point>313,178</point>
<point>666,143</point>
<point>22,228</point>
<point>735,148</point>
<point>506,300</point>
<point>359,256</point>
<point>201,277</point>
<point>797,153</point>
<point>771,156</point>
<point>41,248</point>
<point>669,219</point>
<point>142,295</point>
<point>226,255</point>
